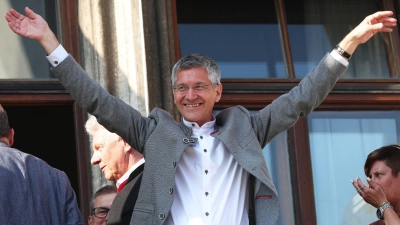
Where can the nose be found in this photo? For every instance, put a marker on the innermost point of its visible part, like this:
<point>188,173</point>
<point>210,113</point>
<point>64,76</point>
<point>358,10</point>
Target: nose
<point>191,94</point>
<point>95,158</point>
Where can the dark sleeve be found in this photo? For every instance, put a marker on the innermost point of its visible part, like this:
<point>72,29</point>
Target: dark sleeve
<point>72,212</point>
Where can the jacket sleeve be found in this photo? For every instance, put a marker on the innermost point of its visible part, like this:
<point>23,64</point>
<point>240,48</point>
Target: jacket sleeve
<point>72,213</point>
<point>283,112</point>
<point>110,111</point>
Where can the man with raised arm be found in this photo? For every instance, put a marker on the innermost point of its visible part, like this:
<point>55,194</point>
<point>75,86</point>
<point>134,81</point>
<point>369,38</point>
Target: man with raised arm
<point>207,169</point>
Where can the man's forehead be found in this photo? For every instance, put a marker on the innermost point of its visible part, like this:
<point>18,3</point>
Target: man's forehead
<point>195,83</point>
<point>192,71</point>
<point>98,138</point>
<point>193,76</point>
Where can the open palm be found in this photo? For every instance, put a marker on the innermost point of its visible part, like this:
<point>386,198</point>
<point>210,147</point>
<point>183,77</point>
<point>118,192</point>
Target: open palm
<point>31,26</point>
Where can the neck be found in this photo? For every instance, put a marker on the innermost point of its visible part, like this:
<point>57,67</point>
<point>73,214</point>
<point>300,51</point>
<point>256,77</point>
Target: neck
<point>135,160</point>
<point>5,140</point>
<point>396,208</point>
<point>134,157</point>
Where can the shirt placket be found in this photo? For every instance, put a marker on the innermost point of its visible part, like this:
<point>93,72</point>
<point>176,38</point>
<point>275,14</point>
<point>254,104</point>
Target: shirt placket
<point>204,142</point>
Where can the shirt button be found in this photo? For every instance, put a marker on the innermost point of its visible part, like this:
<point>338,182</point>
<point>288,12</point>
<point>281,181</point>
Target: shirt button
<point>171,190</point>
<point>207,214</point>
<point>56,62</point>
<point>206,171</point>
<point>192,124</point>
<point>206,193</point>
<point>201,137</point>
<point>161,216</point>
<point>205,150</point>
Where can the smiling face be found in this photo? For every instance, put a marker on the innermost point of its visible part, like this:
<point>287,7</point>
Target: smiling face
<point>109,151</point>
<point>196,106</point>
<point>382,175</point>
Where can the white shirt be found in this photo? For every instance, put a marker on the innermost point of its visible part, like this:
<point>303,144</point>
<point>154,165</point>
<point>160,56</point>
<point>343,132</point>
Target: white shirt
<point>210,186</point>
<point>57,56</point>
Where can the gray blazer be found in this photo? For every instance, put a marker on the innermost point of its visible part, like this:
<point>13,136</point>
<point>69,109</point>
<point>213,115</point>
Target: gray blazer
<point>32,192</point>
<point>162,140</point>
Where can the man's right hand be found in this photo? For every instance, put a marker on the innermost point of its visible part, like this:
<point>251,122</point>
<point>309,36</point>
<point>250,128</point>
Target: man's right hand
<point>32,26</point>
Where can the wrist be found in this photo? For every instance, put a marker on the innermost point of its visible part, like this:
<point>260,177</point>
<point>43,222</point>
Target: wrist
<point>49,42</point>
<point>342,52</point>
<point>381,209</point>
<point>349,44</point>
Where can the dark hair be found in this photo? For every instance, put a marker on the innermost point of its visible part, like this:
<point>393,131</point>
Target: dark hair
<point>4,126</point>
<point>108,189</point>
<point>389,154</point>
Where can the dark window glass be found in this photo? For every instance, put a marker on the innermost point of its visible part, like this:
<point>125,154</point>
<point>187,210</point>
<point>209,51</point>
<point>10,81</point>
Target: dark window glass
<point>316,26</point>
<point>241,36</point>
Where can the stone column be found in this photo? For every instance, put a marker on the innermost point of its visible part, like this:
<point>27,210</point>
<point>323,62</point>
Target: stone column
<point>160,54</point>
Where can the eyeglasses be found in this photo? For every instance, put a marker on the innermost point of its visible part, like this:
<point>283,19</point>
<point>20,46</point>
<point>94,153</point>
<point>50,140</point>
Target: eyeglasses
<point>100,212</point>
<point>198,88</point>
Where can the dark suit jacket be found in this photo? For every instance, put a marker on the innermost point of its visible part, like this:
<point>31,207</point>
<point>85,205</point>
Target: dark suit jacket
<point>124,202</point>
<point>32,192</point>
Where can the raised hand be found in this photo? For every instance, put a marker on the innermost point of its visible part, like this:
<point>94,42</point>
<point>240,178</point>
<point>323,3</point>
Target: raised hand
<point>32,26</point>
<point>377,22</point>
<point>372,24</point>
<point>373,194</point>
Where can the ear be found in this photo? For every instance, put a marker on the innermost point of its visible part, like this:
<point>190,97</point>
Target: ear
<point>11,137</point>
<point>218,92</point>
<point>89,220</point>
<point>127,147</point>
<point>173,94</point>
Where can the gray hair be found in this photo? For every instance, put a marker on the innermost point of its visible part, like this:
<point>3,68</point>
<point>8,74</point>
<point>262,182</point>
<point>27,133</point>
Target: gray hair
<point>198,60</point>
<point>92,126</point>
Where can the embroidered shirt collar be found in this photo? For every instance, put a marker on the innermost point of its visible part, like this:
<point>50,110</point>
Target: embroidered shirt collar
<point>209,124</point>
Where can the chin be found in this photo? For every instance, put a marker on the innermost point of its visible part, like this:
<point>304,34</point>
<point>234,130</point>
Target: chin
<point>192,119</point>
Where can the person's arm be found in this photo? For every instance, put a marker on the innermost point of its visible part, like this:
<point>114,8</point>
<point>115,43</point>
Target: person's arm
<point>282,113</point>
<point>110,111</point>
<point>68,198</point>
<point>375,196</point>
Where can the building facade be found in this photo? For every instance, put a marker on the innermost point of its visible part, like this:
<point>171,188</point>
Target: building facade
<point>263,48</point>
